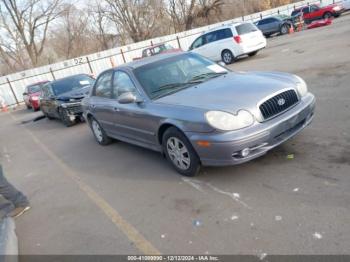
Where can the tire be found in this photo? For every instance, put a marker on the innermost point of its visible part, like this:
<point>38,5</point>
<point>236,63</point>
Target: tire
<point>267,35</point>
<point>99,134</point>
<point>284,29</point>
<point>227,57</point>
<point>180,153</point>
<point>28,107</point>
<point>327,15</point>
<point>47,115</point>
<point>253,53</point>
<point>64,116</point>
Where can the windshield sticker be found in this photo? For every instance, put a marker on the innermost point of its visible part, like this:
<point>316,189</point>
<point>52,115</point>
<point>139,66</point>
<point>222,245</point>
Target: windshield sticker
<point>216,69</point>
<point>84,82</point>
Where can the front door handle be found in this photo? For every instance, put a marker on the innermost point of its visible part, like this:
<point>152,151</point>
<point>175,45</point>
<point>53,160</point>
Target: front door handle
<point>116,109</point>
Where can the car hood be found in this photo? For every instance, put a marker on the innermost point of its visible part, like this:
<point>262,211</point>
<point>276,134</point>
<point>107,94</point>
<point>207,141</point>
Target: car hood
<point>232,92</point>
<point>76,94</point>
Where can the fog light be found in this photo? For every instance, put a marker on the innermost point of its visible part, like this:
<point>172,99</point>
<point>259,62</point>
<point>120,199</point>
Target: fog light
<point>245,152</point>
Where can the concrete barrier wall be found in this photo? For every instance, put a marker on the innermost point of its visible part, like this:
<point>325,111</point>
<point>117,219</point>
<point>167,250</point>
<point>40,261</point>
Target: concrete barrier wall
<point>12,86</point>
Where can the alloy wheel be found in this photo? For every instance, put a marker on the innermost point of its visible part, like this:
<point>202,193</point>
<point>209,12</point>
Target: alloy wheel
<point>227,57</point>
<point>178,153</point>
<point>97,131</point>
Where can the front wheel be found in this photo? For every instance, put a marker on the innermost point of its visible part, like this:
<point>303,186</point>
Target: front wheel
<point>65,117</point>
<point>284,29</point>
<point>327,15</point>
<point>180,153</point>
<point>100,135</point>
<point>227,57</point>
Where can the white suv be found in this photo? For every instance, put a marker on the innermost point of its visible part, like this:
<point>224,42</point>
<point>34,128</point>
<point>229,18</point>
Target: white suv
<point>229,42</point>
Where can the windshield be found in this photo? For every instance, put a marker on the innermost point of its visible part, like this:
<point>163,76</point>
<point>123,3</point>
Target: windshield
<point>171,75</point>
<point>71,83</point>
<point>34,89</point>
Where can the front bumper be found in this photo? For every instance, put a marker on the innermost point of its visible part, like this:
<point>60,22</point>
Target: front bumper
<point>225,147</point>
<point>35,104</point>
<point>74,109</point>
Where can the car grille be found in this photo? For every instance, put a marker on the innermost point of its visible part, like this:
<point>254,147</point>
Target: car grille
<point>278,104</point>
<point>76,109</point>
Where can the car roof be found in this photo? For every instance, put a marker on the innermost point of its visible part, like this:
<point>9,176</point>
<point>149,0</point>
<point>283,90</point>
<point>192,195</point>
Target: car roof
<point>148,60</point>
<point>224,26</point>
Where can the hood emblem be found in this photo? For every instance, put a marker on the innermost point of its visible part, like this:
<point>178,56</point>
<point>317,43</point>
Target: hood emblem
<point>281,102</point>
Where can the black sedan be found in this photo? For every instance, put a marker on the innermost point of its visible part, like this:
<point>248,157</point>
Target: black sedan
<point>62,98</point>
<point>278,24</point>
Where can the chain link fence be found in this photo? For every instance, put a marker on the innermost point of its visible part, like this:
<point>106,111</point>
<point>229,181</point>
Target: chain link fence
<point>12,86</point>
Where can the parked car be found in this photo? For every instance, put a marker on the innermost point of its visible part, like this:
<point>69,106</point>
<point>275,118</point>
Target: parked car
<point>345,4</point>
<point>277,24</point>
<point>197,112</point>
<point>62,98</point>
<point>314,12</point>
<point>31,95</point>
<point>229,42</point>
<point>158,49</point>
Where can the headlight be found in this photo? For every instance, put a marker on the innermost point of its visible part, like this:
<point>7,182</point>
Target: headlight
<point>227,122</point>
<point>35,98</point>
<point>301,86</point>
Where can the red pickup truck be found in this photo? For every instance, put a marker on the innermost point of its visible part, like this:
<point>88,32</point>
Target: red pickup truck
<point>314,12</point>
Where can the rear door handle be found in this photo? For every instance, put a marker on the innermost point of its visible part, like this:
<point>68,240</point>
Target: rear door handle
<point>116,109</point>
<point>92,106</point>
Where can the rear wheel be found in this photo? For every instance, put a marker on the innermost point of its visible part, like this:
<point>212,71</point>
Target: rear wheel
<point>100,135</point>
<point>227,57</point>
<point>180,153</point>
<point>28,106</point>
<point>284,29</point>
<point>65,117</point>
<point>327,15</point>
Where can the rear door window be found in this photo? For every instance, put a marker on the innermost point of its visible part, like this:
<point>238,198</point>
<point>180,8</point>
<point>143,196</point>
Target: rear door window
<point>223,34</point>
<point>245,28</point>
<point>103,86</point>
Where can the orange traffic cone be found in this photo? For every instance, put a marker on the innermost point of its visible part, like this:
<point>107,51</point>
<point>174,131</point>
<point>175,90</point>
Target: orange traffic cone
<point>4,108</point>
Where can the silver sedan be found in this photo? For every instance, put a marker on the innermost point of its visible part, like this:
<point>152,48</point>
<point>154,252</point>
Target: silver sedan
<point>196,112</point>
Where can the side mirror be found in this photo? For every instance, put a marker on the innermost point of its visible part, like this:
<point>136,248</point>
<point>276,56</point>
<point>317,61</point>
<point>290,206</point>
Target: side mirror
<point>222,64</point>
<point>127,98</point>
<point>25,93</point>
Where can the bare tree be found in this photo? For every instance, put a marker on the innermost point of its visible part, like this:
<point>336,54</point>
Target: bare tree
<point>101,25</point>
<point>185,13</point>
<point>30,21</point>
<point>137,18</point>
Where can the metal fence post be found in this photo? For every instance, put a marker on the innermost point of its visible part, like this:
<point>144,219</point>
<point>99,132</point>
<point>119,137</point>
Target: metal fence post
<point>88,61</point>
<point>178,42</point>
<point>13,92</point>
<point>121,51</point>
<point>53,76</point>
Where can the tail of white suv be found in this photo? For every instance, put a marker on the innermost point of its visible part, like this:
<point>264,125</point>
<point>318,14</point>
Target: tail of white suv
<point>229,42</point>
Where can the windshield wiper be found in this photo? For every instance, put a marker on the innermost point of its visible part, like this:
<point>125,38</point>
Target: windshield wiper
<point>174,87</point>
<point>208,75</point>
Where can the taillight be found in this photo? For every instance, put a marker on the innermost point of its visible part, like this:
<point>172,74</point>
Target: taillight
<point>238,39</point>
